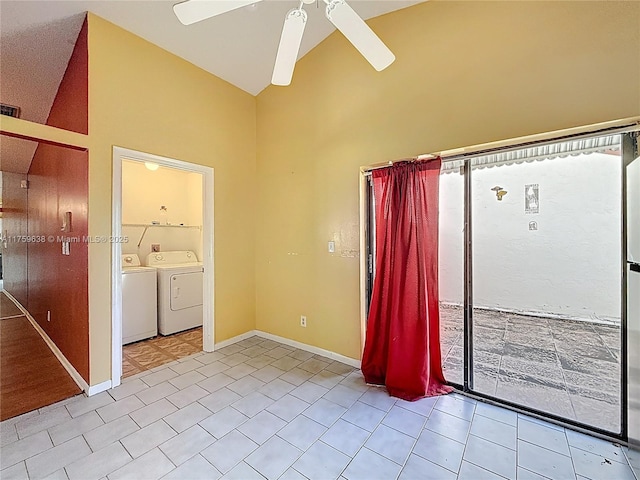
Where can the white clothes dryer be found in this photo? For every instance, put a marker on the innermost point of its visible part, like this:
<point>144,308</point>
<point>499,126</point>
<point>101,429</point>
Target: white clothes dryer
<point>180,277</point>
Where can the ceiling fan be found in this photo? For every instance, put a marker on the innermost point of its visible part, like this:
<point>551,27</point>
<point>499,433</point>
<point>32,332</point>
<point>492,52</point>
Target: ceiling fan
<point>338,12</point>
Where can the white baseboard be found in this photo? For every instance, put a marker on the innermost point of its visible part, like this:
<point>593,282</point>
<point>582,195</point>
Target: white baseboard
<point>53,347</point>
<point>100,387</point>
<point>310,348</point>
<point>302,346</point>
<point>106,385</point>
<point>236,339</point>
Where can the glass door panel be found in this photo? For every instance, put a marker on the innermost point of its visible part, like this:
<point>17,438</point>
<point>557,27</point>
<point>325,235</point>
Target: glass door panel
<point>451,271</point>
<point>547,279</point>
<point>632,161</point>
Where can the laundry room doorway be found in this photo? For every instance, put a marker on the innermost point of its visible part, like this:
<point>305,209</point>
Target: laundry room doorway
<point>162,261</point>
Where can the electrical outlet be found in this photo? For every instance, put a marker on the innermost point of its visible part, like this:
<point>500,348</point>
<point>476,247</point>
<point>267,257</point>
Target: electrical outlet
<point>303,321</point>
<point>155,247</point>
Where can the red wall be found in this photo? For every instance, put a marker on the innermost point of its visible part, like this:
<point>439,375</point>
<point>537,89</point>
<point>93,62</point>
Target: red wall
<point>14,223</point>
<point>70,110</point>
<point>58,183</point>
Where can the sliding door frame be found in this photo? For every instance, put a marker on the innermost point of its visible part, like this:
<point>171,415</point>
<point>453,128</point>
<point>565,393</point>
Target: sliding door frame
<point>468,280</point>
<point>628,145</point>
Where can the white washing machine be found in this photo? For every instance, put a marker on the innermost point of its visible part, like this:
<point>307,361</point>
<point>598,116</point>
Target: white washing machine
<point>139,300</point>
<point>180,276</point>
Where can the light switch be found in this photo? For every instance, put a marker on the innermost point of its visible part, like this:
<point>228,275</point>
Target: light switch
<point>332,247</point>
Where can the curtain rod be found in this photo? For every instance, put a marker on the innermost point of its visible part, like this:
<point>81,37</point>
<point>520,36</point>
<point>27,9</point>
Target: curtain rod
<point>616,126</point>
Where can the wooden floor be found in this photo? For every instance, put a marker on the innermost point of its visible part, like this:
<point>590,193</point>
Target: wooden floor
<point>31,376</point>
<point>7,307</point>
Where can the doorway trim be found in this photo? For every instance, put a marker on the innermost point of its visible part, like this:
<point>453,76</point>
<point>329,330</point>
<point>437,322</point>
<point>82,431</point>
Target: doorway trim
<point>208,330</point>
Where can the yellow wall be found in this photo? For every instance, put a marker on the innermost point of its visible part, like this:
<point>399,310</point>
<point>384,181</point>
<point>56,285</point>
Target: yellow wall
<point>144,98</point>
<point>145,191</point>
<point>466,73</point>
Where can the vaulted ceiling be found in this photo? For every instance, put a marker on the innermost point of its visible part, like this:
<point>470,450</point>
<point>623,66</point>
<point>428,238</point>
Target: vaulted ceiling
<point>239,47</point>
<point>37,39</point>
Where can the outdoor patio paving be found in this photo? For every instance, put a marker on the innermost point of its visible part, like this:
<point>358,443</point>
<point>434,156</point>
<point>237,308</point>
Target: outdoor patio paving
<point>565,367</point>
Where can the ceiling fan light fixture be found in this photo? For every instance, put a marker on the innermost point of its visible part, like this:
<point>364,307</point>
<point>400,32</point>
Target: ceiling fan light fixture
<point>289,47</point>
<point>352,26</point>
<point>192,11</point>
<point>338,12</point>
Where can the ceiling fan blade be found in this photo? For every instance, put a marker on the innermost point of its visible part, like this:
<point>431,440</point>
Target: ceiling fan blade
<point>193,11</point>
<point>359,34</point>
<point>289,47</point>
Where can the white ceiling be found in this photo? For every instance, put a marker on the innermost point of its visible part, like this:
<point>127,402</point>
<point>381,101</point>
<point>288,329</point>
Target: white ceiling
<point>16,154</point>
<point>37,39</point>
<point>239,46</point>
<point>33,61</point>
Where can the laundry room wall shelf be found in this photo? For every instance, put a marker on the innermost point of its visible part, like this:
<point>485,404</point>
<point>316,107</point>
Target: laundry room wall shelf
<point>146,227</point>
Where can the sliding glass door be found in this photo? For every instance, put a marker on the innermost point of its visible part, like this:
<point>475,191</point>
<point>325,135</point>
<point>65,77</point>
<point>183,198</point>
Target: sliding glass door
<point>451,271</point>
<point>532,275</point>
<point>631,155</point>
<point>547,226</point>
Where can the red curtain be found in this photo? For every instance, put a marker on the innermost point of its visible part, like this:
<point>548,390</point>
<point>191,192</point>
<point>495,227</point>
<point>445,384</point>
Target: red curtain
<point>402,346</point>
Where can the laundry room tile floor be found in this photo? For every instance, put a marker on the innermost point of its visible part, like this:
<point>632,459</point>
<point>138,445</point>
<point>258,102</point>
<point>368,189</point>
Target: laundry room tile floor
<point>147,354</point>
<point>260,409</point>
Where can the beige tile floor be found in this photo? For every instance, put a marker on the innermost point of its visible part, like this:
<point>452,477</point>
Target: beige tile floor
<point>260,409</point>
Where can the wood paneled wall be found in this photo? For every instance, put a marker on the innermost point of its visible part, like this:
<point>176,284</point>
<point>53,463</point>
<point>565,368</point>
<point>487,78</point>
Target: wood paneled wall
<point>58,284</point>
<point>14,224</point>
